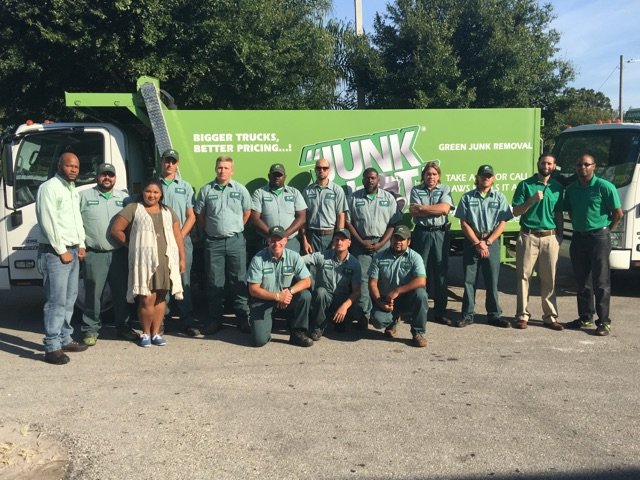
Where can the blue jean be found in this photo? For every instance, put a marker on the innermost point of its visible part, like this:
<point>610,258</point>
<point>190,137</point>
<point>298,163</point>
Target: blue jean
<point>60,282</point>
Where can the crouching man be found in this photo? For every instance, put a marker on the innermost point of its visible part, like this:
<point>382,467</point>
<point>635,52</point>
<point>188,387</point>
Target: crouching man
<point>278,279</point>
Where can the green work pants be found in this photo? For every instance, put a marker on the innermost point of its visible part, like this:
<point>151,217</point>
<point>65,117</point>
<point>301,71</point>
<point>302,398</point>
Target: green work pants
<point>433,247</point>
<point>261,320</point>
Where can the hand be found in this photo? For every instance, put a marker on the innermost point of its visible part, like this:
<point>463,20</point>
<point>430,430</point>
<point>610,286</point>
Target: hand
<point>182,265</point>
<point>341,314</point>
<point>415,208</point>
<point>82,253</point>
<point>66,257</point>
<point>285,298</point>
<point>306,247</point>
<point>536,197</point>
<point>385,305</point>
<point>392,295</point>
<point>482,249</point>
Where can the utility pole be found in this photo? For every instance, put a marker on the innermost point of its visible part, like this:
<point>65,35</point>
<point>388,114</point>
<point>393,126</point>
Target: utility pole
<point>620,107</point>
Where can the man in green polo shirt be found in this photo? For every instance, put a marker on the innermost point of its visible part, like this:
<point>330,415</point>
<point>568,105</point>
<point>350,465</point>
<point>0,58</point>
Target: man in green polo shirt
<point>106,260</point>
<point>278,280</point>
<point>397,282</point>
<point>326,207</point>
<point>223,208</point>
<point>538,202</point>
<point>595,209</point>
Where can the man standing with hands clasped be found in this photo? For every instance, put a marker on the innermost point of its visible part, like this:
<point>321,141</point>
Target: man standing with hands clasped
<point>538,200</point>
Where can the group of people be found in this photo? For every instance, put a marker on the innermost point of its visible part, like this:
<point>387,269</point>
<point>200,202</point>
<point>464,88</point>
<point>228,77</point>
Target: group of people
<point>352,251</point>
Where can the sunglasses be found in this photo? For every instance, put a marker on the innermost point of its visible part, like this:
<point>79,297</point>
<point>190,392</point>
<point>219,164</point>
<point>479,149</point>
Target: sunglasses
<point>578,165</point>
<point>107,174</point>
<point>170,160</point>
<point>322,168</point>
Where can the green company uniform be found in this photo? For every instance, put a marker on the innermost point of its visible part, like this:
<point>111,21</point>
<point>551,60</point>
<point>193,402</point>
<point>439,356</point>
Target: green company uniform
<point>431,240</point>
<point>538,244</point>
<point>483,215</point>
<point>278,208</point>
<point>275,276</point>
<point>105,260</point>
<point>590,208</point>
<point>179,195</point>
<point>324,204</point>
<point>393,271</point>
<point>370,216</point>
<point>334,283</point>
<point>225,246</point>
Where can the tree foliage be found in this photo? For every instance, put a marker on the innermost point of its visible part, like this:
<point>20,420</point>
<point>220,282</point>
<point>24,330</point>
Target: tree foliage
<point>207,53</point>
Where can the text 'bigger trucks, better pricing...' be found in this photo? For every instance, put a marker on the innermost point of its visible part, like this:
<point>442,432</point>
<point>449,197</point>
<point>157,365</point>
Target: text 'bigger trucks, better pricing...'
<point>132,128</point>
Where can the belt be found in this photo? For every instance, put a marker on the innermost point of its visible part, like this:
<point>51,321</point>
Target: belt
<point>430,228</point>
<point>95,250</point>
<point>209,237</point>
<point>322,232</point>
<point>591,231</point>
<point>538,233</point>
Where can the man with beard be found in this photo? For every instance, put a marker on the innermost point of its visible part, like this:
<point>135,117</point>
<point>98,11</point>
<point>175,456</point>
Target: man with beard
<point>594,207</point>
<point>61,247</point>
<point>278,279</point>
<point>483,213</point>
<point>105,260</point>
<point>337,286</point>
<point>397,282</point>
<point>431,203</point>
<point>538,201</point>
<point>326,206</point>
<point>278,205</point>
<point>372,214</point>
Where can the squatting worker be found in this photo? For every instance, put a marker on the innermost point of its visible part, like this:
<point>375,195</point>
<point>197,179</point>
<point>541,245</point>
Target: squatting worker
<point>595,209</point>
<point>326,207</point>
<point>277,204</point>
<point>106,260</point>
<point>61,247</point>
<point>430,204</point>
<point>278,280</point>
<point>483,213</point>
<point>223,208</point>
<point>538,201</point>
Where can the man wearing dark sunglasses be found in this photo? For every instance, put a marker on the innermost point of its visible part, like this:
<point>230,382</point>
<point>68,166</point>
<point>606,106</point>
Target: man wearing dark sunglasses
<point>326,207</point>
<point>595,209</point>
<point>105,260</point>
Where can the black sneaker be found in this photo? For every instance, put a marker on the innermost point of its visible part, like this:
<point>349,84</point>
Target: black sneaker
<point>499,322</point>
<point>57,357</point>
<point>193,332</point>
<point>316,334</point>
<point>603,329</point>
<point>127,333</point>
<point>212,328</point>
<point>299,338</point>
<point>577,324</point>
<point>463,322</point>
<point>443,321</point>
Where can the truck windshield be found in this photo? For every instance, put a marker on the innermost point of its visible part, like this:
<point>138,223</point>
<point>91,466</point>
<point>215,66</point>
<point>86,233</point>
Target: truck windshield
<point>38,157</point>
<point>616,152</point>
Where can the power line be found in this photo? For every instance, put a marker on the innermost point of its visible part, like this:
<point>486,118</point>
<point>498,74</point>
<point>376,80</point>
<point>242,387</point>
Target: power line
<point>607,79</point>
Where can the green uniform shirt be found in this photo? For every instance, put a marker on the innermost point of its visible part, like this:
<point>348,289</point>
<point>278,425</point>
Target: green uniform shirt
<point>336,276</point>
<point>179,195</point>
<point>421,195</point>
<point>324,205</point>
<point>98,212</point>
<point>590,207</point>
<point>223,208</point>
<point>541,215</point>
<point>483,214</point>
<point>278,209</point>
<point>274,275</point>
<point>392,271</point>
<point>58,214</point>
<point>370,217</point>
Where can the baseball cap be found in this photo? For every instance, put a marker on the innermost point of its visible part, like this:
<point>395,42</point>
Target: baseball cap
<point>402,231</point>
<point>106,167</point>
<point>171,153</point>
<point>277,167</point>
<point>344,232</point>
<point>277,231</point>
<point>485,170</point>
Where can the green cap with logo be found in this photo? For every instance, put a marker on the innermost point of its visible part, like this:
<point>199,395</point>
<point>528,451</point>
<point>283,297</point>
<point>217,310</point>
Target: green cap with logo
<point>277,231</point>
<point>402,231</point>
<point>171,153</point>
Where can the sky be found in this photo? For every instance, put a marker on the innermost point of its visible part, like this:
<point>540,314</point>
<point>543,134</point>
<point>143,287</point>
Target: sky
<point>593,35</point>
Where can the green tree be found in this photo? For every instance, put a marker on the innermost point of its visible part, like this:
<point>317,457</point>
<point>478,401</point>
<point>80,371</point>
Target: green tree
<point>207,53</point>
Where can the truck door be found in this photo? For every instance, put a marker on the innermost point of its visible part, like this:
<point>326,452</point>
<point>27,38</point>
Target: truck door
<point>36,156</point>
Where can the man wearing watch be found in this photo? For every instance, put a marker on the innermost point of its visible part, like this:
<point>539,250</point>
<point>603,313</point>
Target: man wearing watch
<point>483,213</point>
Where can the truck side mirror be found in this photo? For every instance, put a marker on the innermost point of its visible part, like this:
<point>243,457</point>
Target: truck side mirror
<point>16,218</point>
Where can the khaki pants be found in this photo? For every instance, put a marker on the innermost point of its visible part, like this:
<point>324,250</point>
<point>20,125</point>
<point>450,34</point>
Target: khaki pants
<point>530,250</point>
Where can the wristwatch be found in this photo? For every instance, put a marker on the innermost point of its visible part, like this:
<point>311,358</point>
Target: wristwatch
<point>488,242</point>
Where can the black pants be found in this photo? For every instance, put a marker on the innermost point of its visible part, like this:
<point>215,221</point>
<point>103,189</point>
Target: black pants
<point>590,260</point>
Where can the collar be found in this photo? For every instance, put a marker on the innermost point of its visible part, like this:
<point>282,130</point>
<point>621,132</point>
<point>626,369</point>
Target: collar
<point>67,183</point>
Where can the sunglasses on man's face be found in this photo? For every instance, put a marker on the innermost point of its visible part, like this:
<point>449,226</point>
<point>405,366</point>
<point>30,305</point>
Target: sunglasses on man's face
<point>107,174</point>
<point>170,160</point>
<point>322,168</point>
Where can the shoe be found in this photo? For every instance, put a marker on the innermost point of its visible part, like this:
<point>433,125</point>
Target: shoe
<point>344,326</point>
<point>603,329</point>
<point>158,341</point>
<point>419,340</point>
<point>443,321</point>
<point>463,322</point>
<point>363,323</point>
<point>522,324</point>
<point>193,332</point>
<point>582,322</point>
<point>90,340</point>
<point>391,331</point>
<point>554,326</point>
<point>127,333</point>
<point>499,322</point>
<point>73,346</point>
<point>57,357</point>
<point>145,340</point>
<point>299,338</point>
<point>316,334</point>
<point>212,328</point>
